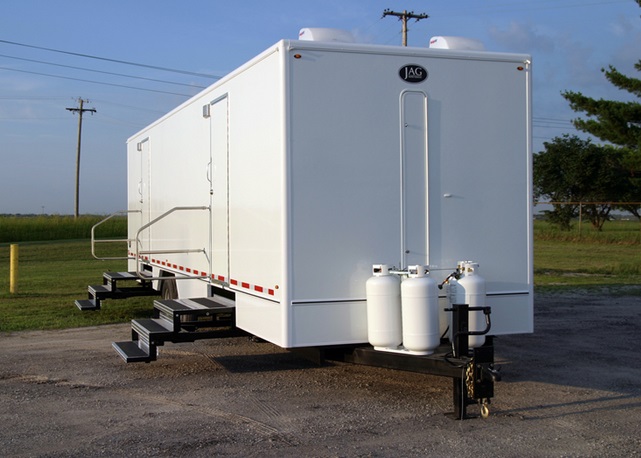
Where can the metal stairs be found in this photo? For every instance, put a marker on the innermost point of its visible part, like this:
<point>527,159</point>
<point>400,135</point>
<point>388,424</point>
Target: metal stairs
<point>112,288</point>
<point>178,320</point>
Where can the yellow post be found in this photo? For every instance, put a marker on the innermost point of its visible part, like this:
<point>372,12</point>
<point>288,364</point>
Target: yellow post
<point>13,276</point>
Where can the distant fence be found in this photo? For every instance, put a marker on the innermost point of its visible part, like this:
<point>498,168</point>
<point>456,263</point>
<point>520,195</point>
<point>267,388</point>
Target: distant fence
<point>581,204</point>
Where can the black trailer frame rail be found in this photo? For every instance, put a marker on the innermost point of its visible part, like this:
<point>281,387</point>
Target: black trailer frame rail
<point>471,370</point>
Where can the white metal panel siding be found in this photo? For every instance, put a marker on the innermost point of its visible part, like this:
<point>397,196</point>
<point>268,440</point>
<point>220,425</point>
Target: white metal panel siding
<point>256,187</point>
<point>480,196</point>
<point>179,161</point>
<point>346,175</point>
<point>479,161</point>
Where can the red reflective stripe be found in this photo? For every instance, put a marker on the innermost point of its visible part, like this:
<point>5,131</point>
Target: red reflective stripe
<point>244,285</point>
<point>258,288</point>
<point>270,292</point>
<point>234,282</point>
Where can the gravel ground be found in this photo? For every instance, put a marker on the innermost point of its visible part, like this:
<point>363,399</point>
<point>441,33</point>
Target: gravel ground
<point>570,389</point>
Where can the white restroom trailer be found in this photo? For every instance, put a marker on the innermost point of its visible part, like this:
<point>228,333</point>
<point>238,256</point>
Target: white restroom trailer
<point>317,196</point>
<point>285,181</point>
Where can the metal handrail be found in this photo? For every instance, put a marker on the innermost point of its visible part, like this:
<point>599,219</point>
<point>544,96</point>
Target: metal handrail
<point>94,240</point>
<point>139,273</point>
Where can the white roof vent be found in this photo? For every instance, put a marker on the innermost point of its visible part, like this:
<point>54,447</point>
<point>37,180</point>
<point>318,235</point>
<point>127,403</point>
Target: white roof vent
<point>323,34</point>
<point>467,44</point>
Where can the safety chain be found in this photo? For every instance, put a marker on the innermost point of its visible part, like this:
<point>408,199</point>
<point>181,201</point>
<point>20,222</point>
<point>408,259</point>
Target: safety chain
<point>469,379</point>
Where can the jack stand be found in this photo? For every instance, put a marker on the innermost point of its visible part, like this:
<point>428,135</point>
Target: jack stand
<point>476,383</point>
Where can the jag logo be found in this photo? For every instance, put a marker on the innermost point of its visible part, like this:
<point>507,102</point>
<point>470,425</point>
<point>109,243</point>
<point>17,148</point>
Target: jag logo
<point>413,73</point>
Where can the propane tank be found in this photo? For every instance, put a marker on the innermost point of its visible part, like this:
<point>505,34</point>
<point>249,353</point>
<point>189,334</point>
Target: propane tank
<point>383,292</point>
<point>470,289</point>
<point>419,296</point>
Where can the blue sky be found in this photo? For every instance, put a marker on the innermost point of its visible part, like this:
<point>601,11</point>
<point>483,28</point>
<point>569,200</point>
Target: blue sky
<point>570,41</point>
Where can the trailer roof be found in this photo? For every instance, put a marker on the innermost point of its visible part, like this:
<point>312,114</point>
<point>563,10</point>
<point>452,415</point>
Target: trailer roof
<point>357,48</point>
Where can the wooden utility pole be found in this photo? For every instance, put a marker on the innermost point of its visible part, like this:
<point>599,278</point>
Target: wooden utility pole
<point>403,17</point>
<point>80,110</point>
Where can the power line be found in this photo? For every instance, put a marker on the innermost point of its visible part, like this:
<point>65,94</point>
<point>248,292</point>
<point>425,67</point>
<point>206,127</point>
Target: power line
<point>124,62</point>
<point>94,82</point>
<point>101,71</point>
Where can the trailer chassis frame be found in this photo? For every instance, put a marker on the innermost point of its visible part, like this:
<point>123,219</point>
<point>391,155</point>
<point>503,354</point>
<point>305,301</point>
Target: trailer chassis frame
<point>471,370</point>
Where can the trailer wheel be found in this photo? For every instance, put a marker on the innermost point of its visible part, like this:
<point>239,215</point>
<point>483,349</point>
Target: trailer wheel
<point>168,289</point>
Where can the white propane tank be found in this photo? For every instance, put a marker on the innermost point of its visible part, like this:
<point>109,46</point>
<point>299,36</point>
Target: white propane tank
<point>383,292</point>
<point>470,289</point>
<point>419,296</point>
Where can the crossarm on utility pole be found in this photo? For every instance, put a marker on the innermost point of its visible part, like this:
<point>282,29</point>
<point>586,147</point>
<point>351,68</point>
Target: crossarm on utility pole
<point>403,17</point>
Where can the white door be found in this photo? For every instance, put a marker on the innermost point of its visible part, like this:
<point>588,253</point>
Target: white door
<point>219,175</point>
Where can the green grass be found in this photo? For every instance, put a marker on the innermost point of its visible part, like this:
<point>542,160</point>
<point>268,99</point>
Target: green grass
<point>51,277</point>
<point>53,274</point>
<point>614,232</point>
<point>587,257</point>
<point>16,228</point>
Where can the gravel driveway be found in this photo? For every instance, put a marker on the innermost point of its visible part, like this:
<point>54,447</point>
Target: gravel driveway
<point>573,388</point>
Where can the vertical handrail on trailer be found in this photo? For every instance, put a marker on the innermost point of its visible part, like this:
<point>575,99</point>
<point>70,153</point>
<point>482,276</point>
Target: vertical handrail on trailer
<point>146,252</point>
<point>94,240</point>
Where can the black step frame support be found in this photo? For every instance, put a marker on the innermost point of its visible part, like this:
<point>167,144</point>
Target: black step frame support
<point>109,289</point>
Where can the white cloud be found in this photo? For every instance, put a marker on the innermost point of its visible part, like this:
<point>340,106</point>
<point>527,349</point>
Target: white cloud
<point>522,37</point>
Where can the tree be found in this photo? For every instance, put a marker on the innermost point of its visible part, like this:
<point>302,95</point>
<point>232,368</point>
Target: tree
<point>573,170</point>
<point>617,123</point>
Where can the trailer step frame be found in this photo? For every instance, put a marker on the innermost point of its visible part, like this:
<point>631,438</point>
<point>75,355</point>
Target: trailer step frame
<point>178,321</point>
<point>111,289</point>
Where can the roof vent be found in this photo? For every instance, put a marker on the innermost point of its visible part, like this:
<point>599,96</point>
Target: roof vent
<point>467,44</point>
<point>323,34</point>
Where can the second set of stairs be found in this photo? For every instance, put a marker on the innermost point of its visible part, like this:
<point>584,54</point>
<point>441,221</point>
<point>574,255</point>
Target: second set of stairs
<point>178,320</point>
<point>112,288</point>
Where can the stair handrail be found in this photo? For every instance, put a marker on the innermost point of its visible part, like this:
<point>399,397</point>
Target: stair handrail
<point>94,240</point>
<point>144,276</point>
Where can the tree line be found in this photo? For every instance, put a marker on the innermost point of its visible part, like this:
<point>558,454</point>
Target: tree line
<point>607,174</point>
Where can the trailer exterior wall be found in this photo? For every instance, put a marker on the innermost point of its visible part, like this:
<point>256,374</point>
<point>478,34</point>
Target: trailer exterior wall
<point>358,125</point>
<point>329,162</point>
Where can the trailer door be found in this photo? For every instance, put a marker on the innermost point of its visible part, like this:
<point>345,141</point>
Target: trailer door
<point>414,166</point>
<point>219,177</point>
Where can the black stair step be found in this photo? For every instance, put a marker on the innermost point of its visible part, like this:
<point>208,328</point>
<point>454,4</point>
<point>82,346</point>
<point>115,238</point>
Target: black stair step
<point>191,306</point>
<point>87,304</point>
<point>99,290</point>
<point>121,276</point>
<point>107,292</point>
<point>153,330</point>
<point>131,353</point>
<point>191,314</point>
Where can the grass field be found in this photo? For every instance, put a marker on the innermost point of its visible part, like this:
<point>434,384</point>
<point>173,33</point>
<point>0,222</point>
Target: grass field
<point>15,228</point>
<point>587,257</point>
<point>53,273</point>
